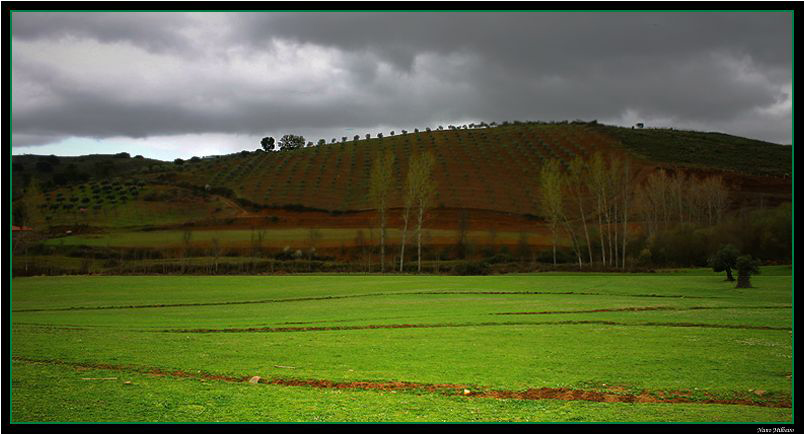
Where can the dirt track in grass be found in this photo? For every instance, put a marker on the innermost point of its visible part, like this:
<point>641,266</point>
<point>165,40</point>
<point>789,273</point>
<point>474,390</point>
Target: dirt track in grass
<point>335,297</point>
<point>612,393</point>
<point>448,325</point>
<point>640,309</point>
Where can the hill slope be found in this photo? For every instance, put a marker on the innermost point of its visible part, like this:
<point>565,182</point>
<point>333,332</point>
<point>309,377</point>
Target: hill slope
<point>494,169</point>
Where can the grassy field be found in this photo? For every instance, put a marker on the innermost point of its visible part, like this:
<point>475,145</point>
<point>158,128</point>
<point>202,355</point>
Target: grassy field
<point>682,346</point>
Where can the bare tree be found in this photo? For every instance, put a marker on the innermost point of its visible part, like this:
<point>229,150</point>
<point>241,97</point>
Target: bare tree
<point>550,190</point>
<point>423,187</point>
<point>578,171</point>
<point>380,184</point>
<point>215,251</point>
<point>408,201</point>
<point>597,184</point>
<point>627,187</point>
<point>614,185</point>
<point>314,236</point>
<point>678,187</point>
<point>654,201</point>
<point>717,198</point>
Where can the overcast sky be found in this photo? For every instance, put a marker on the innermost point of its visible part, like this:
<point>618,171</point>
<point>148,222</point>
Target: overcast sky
<point>169,85</point>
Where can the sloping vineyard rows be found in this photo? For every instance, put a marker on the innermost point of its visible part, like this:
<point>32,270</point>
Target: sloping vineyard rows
<point>492,168</point>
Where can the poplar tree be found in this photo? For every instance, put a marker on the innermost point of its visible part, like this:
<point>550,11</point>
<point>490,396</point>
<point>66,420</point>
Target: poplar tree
<point>380,184</point>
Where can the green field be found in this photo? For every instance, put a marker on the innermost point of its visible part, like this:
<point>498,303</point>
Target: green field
<point>403,348</point>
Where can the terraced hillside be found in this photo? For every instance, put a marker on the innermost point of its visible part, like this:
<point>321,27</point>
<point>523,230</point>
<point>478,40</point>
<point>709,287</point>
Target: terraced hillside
<point>490,168</point>
<point>479,169</point>
<point>493,169</point>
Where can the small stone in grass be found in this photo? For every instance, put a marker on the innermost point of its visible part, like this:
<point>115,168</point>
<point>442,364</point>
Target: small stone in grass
<point>254,380</point>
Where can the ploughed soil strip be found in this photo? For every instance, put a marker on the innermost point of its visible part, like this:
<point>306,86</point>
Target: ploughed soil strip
<point>610,394</point>
<point>335,297</point>
<point>215,303</point>
<point>556,293</point>
<point>639,309</point>
<point>448,325</point>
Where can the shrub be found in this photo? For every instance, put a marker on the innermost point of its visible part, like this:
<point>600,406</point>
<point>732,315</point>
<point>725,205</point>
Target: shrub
<point>746,266</point>
<point>724,260</point>
<point>470,269</point>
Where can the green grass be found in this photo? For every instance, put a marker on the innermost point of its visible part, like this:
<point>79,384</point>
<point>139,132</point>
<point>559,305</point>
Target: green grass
<point>168,399</point>
<point>460,341</point>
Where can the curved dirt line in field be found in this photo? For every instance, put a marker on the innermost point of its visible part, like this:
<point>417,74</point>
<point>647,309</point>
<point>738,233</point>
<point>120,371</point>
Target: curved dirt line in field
<point>334,297</point>
<point>455,325</point>
<point>561,293</point>
<point>610,394</point>
<point>413,326</point>
<point>638,309</point>
<point>214,303</point>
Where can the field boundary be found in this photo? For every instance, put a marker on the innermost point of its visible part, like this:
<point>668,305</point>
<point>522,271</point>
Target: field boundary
<point>611,395</point>
<point>334,297</point>
<point>639,309</point>
<point>451,325</point>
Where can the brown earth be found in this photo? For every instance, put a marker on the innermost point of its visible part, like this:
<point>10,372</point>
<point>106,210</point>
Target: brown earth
<point>640,309</point>
<point>449,325</point>
<point>611,394</point>
<point>437,218</point>
<point>331,297</point>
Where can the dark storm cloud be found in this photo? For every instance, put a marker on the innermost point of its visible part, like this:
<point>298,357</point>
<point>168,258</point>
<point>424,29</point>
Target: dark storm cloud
<point>151,30</point>
<point>141,75</point>
<point>550,42</point>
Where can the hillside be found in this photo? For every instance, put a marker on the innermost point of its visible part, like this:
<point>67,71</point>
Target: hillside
<point>492,169</point>
<point>705,150</point>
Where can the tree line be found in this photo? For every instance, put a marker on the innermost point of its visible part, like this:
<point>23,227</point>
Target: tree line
<point>419,193</point>
<point>592,202</point>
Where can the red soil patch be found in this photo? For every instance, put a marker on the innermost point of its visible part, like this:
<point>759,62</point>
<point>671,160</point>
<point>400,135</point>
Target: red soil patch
<point>612,394</point>
<point>448,325</point>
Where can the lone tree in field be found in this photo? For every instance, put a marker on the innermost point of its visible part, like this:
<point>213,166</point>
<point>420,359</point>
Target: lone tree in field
<point>267,143</point>
<point>380,184</point>
<point>724,260</point>
<point>746,266</point>
<point>289,142</point>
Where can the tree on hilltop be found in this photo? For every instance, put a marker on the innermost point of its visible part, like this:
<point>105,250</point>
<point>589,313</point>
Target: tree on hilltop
<point>289,142</point>
<point>267,143</point>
